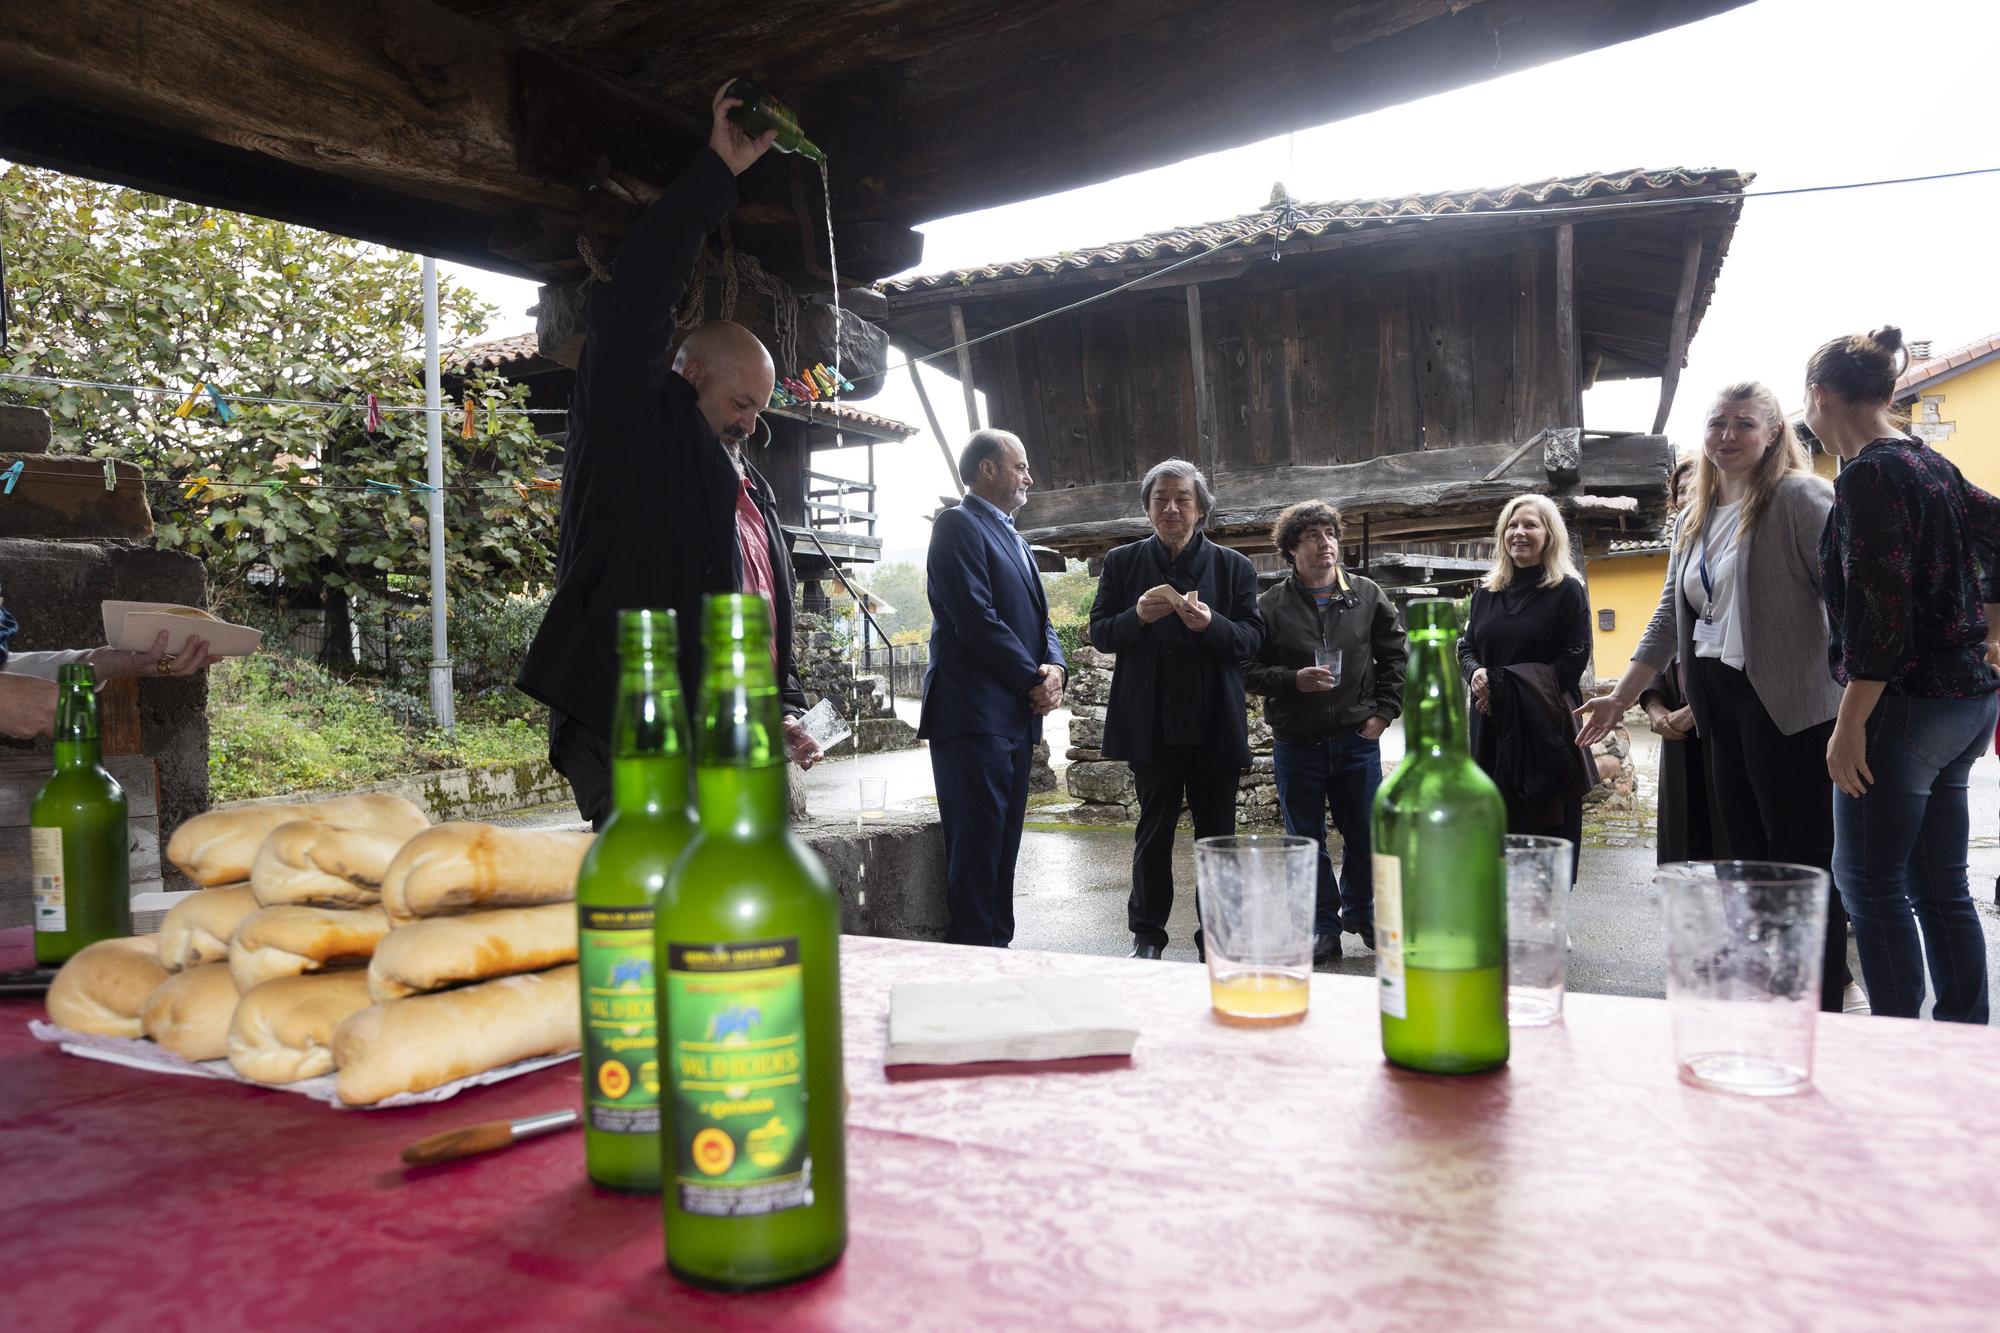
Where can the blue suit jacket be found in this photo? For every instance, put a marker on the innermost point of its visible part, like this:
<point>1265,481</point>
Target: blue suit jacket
<point>990,633</point>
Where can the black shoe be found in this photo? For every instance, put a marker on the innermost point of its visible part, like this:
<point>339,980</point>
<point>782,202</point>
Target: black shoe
<point>1367,933</point>
<point>1141,949</point>
<point>1326,946</point>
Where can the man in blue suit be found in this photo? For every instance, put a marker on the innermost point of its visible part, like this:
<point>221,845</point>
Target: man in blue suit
<point>995,673</point>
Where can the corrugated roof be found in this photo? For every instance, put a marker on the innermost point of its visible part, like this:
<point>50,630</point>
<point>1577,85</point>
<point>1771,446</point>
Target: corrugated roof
<point>1348,214</point>
<point>1924,373</point>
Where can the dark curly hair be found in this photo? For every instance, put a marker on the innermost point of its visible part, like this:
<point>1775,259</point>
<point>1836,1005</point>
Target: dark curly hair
<point>1291,526</point>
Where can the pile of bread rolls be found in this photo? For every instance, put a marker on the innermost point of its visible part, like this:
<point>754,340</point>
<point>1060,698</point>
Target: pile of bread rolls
<point>347,936</point>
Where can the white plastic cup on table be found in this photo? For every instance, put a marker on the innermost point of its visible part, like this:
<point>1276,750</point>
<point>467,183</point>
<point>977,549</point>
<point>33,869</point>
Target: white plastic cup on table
<point>1329,658</point>
<point>874,797</point>
<point>1744,940</point>
<point>1256,896</point>
<point>1537,928</point>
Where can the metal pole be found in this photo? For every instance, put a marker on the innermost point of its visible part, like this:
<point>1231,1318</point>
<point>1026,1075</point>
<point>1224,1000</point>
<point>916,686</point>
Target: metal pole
<point>441,704</point>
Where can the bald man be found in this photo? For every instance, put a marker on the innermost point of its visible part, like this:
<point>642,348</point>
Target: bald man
<point>660,505</point>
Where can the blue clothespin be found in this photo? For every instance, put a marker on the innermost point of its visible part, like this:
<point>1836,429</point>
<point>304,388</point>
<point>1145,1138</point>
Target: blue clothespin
<point>422,487</point>
<point>12,474</point>
<point>389,487</point>
<point>222,408</point>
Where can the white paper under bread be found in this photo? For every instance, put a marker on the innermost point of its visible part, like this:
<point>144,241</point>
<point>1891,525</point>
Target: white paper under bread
<point>137,1053</point>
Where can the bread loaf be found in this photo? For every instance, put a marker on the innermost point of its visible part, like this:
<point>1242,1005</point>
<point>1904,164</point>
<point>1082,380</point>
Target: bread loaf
<point>189,1012</point>
<point>443,951</point>
<point>104,987</point>
<point>277,942</point>
<point>220,846</point>
<point>453,868</point>
<point>196,929</point>
<point>425,1041</point>
<point>323,865</point>
<point>283,1030</point>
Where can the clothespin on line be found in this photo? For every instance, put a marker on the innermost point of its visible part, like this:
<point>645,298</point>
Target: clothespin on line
<point>222,408</point>
<point>110,474</point>
<point>12,475</point>
<point>374,414</point>
<point>186,409</point>
<point>465,430</point>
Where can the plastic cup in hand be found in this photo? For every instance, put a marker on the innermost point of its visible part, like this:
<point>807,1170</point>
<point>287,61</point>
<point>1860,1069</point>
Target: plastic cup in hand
<point>1743,972</point>
<point>1255,896</point>
<point>874,797</point>
<point>1329,658</point>
<point>1537,928</point>
<point>827,727</point>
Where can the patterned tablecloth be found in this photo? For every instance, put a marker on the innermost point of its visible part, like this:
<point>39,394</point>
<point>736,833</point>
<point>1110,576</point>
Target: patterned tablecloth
<point>1260,1180</point>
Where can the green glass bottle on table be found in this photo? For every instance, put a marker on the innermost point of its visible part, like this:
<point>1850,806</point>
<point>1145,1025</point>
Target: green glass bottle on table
<point>621,876</point>
<point>760,112</point>
<point>79,836</point>
<point>748,938</point>
<point>1440,878</point>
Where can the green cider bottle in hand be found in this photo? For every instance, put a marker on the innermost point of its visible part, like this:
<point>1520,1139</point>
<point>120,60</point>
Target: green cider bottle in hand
<point>760,112</point>
<point>79,836</point>
<point>748,940</point>
<point>1440,877</point>
<point>650,826</point>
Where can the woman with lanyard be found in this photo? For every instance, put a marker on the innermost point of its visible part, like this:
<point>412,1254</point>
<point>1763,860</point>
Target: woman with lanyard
<point>1912,624</point>
<point>1331,671</point>
<point>1742,606</point>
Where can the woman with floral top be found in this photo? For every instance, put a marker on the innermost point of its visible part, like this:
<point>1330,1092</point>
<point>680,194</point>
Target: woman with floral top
<point>1910,621</point>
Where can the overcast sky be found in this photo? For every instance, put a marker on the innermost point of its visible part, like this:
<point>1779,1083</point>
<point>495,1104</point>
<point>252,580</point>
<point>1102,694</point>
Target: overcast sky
<point>1801,92</point>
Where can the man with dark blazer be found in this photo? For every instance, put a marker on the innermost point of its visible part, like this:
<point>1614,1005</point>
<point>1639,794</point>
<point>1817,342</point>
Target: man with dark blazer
<point>1181,614</point>
<point>660,506</point>
<point>995,673</point>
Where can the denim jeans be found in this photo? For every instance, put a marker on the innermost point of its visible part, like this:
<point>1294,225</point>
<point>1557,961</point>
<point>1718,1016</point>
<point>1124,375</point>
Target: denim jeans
<point>1338,776</point>
<point>1899,858</point>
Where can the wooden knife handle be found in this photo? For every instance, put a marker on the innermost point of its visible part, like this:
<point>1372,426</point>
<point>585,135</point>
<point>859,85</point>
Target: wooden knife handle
<point>467,1141</point>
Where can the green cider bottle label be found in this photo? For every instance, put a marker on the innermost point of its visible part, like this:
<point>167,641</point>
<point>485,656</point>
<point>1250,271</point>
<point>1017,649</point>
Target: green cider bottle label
<point>621,1039</point>
<point>736,1023</point>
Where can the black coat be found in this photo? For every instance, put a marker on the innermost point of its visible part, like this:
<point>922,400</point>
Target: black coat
<point>1228,587</point>
<point>649,495</point>
<point>1527,624</point>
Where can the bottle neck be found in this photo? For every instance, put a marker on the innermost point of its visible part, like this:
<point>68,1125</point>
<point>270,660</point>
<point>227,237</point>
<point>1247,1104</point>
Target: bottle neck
<point>85,753</point>
<point>1433,702</point>
<point>740,784</point>
<point>77,741</point>
<point>649,765</point>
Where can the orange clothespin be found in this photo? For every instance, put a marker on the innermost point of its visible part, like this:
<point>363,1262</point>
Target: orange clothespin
<point>465,430</point>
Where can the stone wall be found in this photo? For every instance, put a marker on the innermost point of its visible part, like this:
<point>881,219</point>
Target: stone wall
<point>1104,786</point>
<point>864,701</point>
<point>57,589</point>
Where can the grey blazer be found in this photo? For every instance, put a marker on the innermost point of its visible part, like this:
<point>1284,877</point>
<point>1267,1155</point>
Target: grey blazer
<point>1778,594</point>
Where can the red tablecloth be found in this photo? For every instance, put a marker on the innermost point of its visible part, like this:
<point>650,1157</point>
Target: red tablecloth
<point>1229,1179</point>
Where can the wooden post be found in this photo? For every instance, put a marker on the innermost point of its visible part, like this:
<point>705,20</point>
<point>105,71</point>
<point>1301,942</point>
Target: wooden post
<point>1677,339</point>
<point>1206,445</point>
<point>964,366</point>
<point>1569,357</point>
<point>937,431</point>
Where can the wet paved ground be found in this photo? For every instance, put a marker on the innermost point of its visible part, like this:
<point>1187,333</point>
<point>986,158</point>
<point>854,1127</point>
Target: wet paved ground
<point>1072,881</point>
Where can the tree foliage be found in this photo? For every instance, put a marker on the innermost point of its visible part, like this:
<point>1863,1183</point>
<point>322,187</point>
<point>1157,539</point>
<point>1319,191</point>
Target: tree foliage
<point>116,286</point>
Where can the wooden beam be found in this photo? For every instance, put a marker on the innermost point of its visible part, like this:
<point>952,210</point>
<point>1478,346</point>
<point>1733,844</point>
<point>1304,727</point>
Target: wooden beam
<point>1426,490</point>
<point>1677,341</point>
<point>958,342</point>
<point>1569,363</point>
<point>1204,406</point>
<point>937,431</point>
